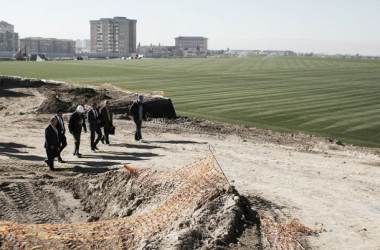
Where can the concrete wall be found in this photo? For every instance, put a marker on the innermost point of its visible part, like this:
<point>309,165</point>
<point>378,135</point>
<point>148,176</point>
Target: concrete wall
<point>158,54</point>
<point>7,53</point>
<point>104,55</point>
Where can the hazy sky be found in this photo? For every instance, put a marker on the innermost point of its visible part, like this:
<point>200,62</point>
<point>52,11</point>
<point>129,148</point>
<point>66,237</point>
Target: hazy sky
<point>319,26</point>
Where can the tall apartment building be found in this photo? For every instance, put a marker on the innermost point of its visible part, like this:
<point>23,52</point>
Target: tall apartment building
<point>48,45</point>
<point>9,40</point>
<point>113,35</point>
<point>191,43</point>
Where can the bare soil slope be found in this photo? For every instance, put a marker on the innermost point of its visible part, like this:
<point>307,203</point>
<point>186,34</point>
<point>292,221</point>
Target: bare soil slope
<point>283,175</point>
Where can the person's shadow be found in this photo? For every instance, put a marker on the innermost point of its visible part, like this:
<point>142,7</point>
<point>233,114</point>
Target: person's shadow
<point>120,156</point>
<point>14,150</point>
<point>86,170</point>
<point>178,142</point>
<point>138,146</point>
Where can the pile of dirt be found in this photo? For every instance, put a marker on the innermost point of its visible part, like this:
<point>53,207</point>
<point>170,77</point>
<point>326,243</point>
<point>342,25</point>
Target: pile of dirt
<point>52,103</point>
<point>19,82</point>
<point>8,85</point>
<point>68,97</point>
<point>190,208</point>
<point>217,222</point>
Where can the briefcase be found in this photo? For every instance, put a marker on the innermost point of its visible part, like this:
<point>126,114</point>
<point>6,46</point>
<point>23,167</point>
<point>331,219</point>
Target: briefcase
<point>112,130</point>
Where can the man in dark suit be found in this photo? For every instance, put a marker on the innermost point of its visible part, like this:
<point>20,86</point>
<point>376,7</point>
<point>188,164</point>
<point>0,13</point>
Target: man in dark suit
<point>76,122</point>
<point>51,142</point>
<point>94,121</point>
<point>61,131</point>
<point>107,121</point>
<point>138,111</point>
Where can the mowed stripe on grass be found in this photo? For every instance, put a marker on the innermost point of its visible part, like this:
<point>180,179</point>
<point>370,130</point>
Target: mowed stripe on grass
<point>326,97</point>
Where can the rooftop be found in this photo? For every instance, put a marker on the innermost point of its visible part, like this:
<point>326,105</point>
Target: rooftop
<point>42,38</point>
<point>5,23</point>
<point>191,37</point>
<point>112,19</point>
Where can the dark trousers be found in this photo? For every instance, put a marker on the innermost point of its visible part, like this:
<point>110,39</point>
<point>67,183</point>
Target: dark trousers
<point>77,142</point>
<point>99,134</point>
<point>138,129</point>
<point>51,154</point>
<point>106,135</point>
<point>63,141</point>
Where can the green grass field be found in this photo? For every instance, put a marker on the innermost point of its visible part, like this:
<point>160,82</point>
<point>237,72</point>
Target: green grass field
<point>335,98</point>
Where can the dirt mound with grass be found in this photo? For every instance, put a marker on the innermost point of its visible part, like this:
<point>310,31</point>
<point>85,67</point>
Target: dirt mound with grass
<point>68,97</point>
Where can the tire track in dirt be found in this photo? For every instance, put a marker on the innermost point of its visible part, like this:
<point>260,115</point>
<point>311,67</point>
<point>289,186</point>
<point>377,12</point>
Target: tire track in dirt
<point>23,202</point>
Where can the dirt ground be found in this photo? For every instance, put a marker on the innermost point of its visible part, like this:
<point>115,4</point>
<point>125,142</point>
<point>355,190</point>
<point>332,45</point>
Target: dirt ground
<point>284,175</point>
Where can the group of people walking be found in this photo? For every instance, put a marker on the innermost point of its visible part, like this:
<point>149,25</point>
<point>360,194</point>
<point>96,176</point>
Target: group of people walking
<point>55,138</point>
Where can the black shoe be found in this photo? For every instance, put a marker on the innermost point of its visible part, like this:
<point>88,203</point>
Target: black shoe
<point>60,160</point>
<point>78,155</point>
<point>96,148</point>
<point>46,161</point>
<point>102,141</point>
<point>52,169</point>
<point>93,150</point>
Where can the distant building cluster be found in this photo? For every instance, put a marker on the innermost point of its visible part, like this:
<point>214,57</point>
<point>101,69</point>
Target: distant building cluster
<point>9,40</point>
<point>260,52</point>
<point>185,46</point>
<point>48,45</point>
<point>113,35</point>
<point>116,37</point>
<point>108,36</point>
<point>278,53</point>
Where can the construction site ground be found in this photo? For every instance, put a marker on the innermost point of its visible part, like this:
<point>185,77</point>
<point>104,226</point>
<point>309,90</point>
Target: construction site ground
<point>284,175</point>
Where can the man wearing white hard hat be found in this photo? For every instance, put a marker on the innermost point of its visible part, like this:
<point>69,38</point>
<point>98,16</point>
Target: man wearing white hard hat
<point>76,122</point>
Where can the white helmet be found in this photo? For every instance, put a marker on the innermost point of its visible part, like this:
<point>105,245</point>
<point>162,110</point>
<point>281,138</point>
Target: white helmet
<point>80,109</point>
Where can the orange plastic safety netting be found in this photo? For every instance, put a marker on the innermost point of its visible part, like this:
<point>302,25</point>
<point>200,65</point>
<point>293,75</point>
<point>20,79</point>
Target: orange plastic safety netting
<point>193,184</point>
